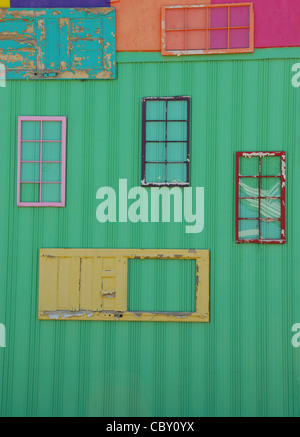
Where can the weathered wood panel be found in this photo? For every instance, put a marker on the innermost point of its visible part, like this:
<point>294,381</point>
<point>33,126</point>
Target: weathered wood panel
<point>58,44</point>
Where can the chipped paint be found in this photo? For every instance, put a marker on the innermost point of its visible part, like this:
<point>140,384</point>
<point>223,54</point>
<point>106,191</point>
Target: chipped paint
<point>206,47</point>
<point>82,43</point>
<point>41,27</point>
<point>283,168</point>
<point>258,154</point>
<point>91,284</point>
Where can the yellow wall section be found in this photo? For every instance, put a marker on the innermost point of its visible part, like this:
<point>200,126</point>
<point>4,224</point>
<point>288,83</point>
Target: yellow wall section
<point>91,284</point>
<point>4,3</point>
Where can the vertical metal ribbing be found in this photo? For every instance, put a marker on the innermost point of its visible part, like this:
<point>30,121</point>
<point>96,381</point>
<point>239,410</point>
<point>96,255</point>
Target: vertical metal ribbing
<point>41,161</point>
<point>166,141</point>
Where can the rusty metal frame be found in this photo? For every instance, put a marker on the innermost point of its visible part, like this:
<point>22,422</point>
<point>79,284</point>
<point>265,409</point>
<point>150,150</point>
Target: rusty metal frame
<point>144,183</point>
<point>207,29</point>
<point>91,284</point>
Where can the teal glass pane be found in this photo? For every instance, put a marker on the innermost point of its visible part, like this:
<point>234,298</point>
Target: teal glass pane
<point>248,229</point>
<point>177,110</point>
<point>156,110</point>
<point>155,152</point>
<point>249,166</point>
<point>248,208</point>
<point>30,172</point>
<point>271,166</point>
<point>31,130</point>
<point>52,130</point>
<point>177,173</point>
<point>29,192</point>
<point>177,152</point>
<point>270,187</point>
<point>30,151</point>
<point>52,151</point>
<point>270,208</point>
<point>270,230</point>
<point>177,131</point>
<point>155,173</point>
<point>155,131</point>
<point>51,172</point>
<point>248,187</point>
<point>162,285</point>
<point>51,192</point>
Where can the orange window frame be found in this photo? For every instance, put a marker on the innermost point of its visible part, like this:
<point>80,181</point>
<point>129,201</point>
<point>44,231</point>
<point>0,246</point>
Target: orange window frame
<point>204,30</point>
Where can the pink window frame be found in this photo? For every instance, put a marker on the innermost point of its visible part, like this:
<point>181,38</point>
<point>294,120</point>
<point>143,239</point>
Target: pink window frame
<point>282,177</point>
<point>62,182</point>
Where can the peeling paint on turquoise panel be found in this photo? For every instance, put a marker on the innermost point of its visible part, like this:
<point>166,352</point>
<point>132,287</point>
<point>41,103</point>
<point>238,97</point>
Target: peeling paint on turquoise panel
<point>82,43</point>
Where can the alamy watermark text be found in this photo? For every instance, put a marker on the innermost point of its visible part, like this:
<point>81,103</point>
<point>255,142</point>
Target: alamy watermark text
<point>138,210</point>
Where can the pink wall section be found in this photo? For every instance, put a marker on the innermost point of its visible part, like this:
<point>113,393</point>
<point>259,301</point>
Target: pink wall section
<point>276,22</point>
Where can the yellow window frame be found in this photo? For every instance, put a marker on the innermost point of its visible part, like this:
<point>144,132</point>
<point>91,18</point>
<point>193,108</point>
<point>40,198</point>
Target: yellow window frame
<point>91,284</point>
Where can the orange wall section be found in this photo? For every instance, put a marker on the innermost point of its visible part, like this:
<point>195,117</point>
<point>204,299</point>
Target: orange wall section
<point>138,23</point>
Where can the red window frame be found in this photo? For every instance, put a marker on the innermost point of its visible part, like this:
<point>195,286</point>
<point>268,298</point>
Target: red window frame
<point>260,177</point>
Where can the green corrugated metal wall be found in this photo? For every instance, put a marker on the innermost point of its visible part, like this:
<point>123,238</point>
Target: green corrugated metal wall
<point>242,362</point>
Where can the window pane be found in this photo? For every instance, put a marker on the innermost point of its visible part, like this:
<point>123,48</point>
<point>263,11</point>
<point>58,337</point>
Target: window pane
<point>218,39</point>
<point>162,285</point>
<point>177,152</point>
<point>31,130</point>
<point>30,151</point>
<point>248,187</point>
<point>249,166</point>
<point>218,17</point>
<point>271,166</point>
<point>51,172</point>
<point>175,41</point>
<point>270,230</point>
<point>52,151</point>
<point>155,152</point>
<point>177,131</point>
<point>52,130</point>
<point>155,131</point>
<point>177,110</point>
<point>30,192</point>
<point>270,208</point>
<point>270,187</point>
<point>176,173</point>
<point>155,173</point>
<point>196,18</point>
<point>248,208</point>
<point>51,192</point>
<point>248,230</point>
<point>239,38</point>
<point>197,40</point>
<point>30,172</point>
<point>175,19</point>
<point>239,16</point>
<point>156,110</point>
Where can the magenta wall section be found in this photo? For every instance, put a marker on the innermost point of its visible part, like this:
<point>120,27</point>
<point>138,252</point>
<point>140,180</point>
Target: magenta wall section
<point>276,22</point>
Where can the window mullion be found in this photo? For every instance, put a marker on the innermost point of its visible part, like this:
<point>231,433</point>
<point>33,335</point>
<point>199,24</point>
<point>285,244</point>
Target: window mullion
<point>41,161</point>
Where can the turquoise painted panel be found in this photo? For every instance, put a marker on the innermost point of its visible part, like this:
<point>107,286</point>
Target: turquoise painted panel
<point>60,44</point>
<point>242,363</point>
